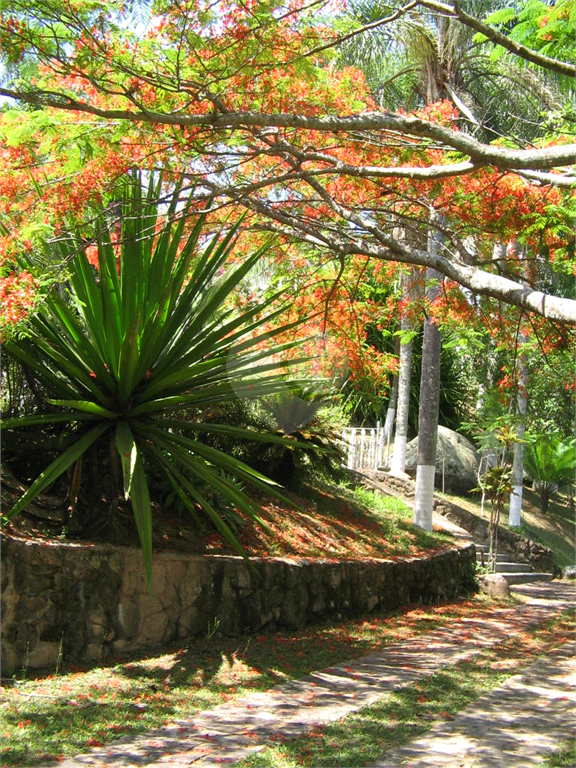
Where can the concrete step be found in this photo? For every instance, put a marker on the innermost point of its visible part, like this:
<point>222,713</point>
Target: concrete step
<point>484,548</point>
<point>499,558</point>
<point>508,567</point>
<point>526,578</point>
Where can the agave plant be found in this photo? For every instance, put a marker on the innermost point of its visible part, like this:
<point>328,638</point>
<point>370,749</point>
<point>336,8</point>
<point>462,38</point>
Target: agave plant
<point>122,347</point>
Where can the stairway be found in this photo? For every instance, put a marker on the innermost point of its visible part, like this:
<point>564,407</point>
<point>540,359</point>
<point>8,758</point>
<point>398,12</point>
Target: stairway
<point>513,572</point>
<point>452,517</point>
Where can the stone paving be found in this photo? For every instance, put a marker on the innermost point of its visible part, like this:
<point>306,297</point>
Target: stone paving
<point>237,729</point>
<point>514,726</point>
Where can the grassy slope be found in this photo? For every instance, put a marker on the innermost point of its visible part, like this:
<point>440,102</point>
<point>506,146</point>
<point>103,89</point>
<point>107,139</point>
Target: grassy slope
<point>339,522</point>
<point>555,529</point>
<point>327,521</point>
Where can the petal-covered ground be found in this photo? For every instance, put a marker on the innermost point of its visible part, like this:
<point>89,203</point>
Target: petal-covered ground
<point>332,522</point>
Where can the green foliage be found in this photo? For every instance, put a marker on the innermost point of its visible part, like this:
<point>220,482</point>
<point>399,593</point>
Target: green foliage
<point>550,397</point>
<point>122,349</point>
<point>550,463</point>
<point>495,483</point>
<point>292,410</point>
<point>454,393</point>
<point>393,514</point>
<point>547,28</point>
<point>311,447</point>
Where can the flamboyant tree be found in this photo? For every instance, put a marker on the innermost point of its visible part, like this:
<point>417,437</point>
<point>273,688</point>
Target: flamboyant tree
<point>244,98</point>
<point>247,103</point>
<point>430,59</point>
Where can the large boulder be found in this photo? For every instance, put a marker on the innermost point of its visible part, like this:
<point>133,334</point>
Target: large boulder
<point>455,455</point>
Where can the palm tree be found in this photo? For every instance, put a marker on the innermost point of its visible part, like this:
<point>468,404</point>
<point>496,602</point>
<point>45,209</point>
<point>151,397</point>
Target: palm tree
<point>429,400</point>
<point>398,463</point>
<point>515,509</point>
<point>422,58</point>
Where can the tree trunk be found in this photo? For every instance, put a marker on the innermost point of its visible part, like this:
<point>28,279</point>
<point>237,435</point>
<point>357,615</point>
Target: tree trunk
<point>427,426</point>
<point>515,509</point>
<point>429,401</point>
<point>494,522</point>
<point>390,417</point>
<point>398,462</point>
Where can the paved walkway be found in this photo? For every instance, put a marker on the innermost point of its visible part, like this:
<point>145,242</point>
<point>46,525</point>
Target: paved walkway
<point>513,726</point>
<point>237,729</point>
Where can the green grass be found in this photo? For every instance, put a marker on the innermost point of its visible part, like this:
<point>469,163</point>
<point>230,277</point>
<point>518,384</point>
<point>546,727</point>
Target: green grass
<point>335,521</point>
<point>565,757</point>
<point>403,715</point>
<point>393,516</point>
<point>555,529</point>
<point>62,715</point>
<point>329,521</point>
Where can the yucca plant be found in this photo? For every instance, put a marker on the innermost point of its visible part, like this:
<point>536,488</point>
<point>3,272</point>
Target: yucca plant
<point>122,347</point>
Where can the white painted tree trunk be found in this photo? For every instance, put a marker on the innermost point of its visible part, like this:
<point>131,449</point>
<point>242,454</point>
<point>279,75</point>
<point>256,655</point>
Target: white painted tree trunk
<point>429,401</point>
<point>515,509</point>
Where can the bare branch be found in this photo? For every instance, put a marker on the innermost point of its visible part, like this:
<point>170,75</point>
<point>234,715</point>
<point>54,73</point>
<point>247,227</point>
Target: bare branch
<point>351,241</point>
<point>567,181</point>
<point>365,28</point>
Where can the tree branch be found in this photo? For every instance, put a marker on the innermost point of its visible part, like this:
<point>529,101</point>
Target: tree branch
<point>387,248</point>
<point>406,125</point>
<point>496,37</point>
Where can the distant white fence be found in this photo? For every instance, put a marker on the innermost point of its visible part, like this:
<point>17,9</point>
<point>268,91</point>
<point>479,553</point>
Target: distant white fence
<point>364,447</point>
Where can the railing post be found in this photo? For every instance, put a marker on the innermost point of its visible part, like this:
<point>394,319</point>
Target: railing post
<point>352,449</point>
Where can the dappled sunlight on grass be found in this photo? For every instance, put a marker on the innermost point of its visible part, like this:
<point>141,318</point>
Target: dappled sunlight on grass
<point>402,715</point>
<point>65,714</point>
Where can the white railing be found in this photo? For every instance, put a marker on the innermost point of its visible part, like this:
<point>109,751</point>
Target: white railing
<point>364,447</point>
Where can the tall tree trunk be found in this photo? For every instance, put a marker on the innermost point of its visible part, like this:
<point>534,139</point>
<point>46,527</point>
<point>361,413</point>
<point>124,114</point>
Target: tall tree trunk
<point>429,401</point>
<point>515,510</point>
<point>398,463</point>
<point>390,416</point>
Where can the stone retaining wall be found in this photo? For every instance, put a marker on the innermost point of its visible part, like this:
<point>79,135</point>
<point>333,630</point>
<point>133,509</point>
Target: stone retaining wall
<point>88,601</point>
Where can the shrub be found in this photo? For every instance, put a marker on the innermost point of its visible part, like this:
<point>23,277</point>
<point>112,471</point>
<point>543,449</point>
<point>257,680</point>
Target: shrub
<point>550,463</point>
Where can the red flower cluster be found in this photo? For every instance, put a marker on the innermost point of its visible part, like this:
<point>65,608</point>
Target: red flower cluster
<point>17,292</point>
